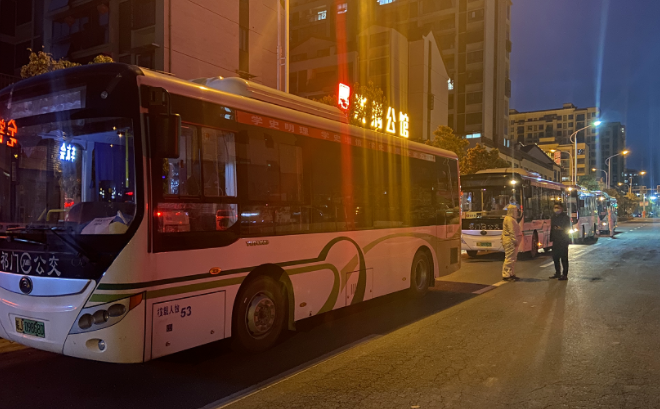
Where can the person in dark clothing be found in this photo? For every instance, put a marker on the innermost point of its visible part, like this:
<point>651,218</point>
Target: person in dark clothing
<point>560,224</point>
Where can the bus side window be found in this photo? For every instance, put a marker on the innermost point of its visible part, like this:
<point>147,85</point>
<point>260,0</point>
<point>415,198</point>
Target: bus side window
<point>182,176</point>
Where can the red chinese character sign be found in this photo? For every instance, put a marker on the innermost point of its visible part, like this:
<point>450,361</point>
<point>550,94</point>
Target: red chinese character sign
<point>344,96</point>
<point>8,131</point>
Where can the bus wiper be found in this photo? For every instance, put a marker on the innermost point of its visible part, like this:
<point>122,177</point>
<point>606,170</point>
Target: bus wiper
<point>11,236</point>
<point>72,245</point>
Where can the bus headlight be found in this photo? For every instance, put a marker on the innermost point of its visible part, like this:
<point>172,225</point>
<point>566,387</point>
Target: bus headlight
<point>105,315</point>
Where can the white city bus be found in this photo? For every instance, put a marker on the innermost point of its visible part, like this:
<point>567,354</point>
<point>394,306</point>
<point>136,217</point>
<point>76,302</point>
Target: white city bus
<point>147,215</point>
<point>583,211</point>
<point>607,205</point>
<point>486,196</point>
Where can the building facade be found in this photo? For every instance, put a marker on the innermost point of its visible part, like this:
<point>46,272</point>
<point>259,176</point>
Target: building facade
<point>21,28</point>
<point>554,127</point>
<point>613,142</point>
<point>473,37</point>
<point>191,39</point>
<point>409,70</point>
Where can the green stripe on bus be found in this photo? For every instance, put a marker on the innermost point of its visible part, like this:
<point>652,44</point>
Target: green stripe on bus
<point>166,292</point>
<point>105,298</point>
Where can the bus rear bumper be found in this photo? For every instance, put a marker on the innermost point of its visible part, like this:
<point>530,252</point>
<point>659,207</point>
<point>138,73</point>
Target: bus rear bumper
<point>477,242</point>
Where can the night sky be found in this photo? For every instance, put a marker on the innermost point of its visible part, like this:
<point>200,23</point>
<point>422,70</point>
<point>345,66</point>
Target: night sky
<point>602,53</point>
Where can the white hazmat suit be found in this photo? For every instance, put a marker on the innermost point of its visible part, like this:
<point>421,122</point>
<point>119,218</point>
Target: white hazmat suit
<point>511,238</point>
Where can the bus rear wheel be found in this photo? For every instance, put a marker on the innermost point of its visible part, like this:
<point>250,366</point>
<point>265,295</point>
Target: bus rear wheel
<point>260,315</point>
<point>421,274</point>
<point>534,251</point>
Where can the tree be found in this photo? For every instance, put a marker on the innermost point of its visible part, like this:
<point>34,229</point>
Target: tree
<point>445,138</point>
<point>480,158</point>
<point>42,62</point>
<point>589,182</point>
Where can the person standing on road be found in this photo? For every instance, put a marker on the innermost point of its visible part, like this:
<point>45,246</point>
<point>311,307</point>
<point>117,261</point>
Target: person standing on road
<point>511,238</point>
<point>560,224</point>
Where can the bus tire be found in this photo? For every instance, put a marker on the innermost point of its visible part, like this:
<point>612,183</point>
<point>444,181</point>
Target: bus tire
<point>260,316</point>
<point>472,253</point>
<point>534,251</point>
<point>421,274</point>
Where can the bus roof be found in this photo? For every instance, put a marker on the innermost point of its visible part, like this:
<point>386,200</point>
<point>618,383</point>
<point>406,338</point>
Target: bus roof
<point>255,98</point>
<point>495,175</point>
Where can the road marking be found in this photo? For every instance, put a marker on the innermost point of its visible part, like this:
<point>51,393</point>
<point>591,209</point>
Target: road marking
<point>277,379</point>
<point>499,283</point>
<point>485,289</point>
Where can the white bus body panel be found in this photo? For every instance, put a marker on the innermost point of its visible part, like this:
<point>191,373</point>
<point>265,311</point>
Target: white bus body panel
<point>59,313</point>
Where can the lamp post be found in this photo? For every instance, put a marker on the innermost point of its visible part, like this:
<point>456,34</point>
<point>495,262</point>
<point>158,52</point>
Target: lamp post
<point>573,139</point>
<point>570,157</point>
<point>607,161</point>
<point>604,171</point>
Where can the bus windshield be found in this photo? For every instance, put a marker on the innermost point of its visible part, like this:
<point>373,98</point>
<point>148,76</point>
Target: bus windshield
<point>489,201</point>
<point>74,175</point>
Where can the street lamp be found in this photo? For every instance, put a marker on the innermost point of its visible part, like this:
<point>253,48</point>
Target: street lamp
<point>607,161</point>
<point>573,138</point>
<point>570,157</point>
<point>604,171</point>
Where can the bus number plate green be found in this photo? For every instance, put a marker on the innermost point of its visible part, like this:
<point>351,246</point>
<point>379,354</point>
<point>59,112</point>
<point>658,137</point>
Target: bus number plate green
<point>30,327</point>
<point>484,244</point>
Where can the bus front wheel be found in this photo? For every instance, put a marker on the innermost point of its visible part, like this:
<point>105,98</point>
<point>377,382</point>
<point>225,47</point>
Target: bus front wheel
<point>472,253</point>
<point>421,274</point>
<point>260,315</point>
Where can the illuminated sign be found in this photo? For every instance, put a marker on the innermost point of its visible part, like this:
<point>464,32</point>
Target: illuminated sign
<point>381,119</point>
<point>8,131</point>
<point>67,152</point>
<point>344,96</point>
<point>558,157</point>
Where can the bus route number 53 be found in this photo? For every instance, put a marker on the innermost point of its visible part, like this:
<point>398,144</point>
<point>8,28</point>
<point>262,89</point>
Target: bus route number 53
<point>186,312</point>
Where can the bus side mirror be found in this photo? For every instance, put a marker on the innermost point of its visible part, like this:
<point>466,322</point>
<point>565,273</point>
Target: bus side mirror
<point>165,130</point>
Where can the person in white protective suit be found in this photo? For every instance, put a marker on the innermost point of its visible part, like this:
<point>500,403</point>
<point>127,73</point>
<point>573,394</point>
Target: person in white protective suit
<point>511,238</point>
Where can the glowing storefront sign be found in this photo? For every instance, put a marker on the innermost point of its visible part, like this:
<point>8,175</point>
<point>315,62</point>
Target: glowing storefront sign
<point>67,152</point>
<point>381,119</point>
<point>8,131</point>
<point>344,96</point>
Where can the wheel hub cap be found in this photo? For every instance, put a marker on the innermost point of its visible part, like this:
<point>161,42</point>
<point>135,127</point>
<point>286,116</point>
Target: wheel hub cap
<point>260,314</point>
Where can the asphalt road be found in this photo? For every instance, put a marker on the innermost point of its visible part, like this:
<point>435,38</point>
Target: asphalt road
<point>473,342</point>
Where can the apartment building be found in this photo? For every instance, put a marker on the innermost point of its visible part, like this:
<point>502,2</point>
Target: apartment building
<point>409,69</point>
<point>552,129</point>
<point>21,27</point>
<point>612,144</point>
<point>191,39</point>
<point>473,37</point>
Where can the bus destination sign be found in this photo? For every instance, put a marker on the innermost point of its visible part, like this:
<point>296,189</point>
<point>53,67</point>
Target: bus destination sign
<point>8,131</point>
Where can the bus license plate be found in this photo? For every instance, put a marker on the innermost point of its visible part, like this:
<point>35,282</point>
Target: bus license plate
<point>30,327</point>
<point>484,244</point>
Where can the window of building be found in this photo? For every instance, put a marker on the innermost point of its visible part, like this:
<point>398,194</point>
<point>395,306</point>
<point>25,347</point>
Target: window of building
<point>475,56</point>
<point>475,15</point>
<point>530,127</point>
<point>342,8</point>
<point>540,127</point>
<point>451,102</point>
<point>144,13</point>
<point>473,118</point>
<point>559,126</point>
<point>570,124</point>
<point>379,39</point>
<point>570,117</point>
<point>381,2</point>
<point>23,12</point>
<point>450,84</point>
<point>580,117</point>
<point>475,98</point>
